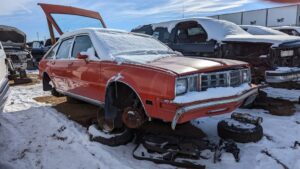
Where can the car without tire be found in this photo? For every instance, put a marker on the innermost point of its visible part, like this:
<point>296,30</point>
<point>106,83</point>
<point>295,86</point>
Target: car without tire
<point>137,78</point>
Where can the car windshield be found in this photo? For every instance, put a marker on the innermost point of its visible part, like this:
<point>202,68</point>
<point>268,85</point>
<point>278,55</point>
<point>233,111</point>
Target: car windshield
<point>263,31</point>
<point>128,45</point>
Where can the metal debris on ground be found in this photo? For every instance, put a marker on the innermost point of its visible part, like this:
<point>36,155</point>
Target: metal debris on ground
<point>180,149</point>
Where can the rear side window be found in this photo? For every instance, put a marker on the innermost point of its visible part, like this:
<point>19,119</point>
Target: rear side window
<point>51,54</point>
<point>64,49</point>
<point>81,44</point>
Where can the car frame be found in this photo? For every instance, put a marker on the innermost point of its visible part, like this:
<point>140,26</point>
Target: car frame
<point>97,81</point>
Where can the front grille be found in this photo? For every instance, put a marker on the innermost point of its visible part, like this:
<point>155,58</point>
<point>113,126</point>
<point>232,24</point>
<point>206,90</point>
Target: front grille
<point>232,78</point>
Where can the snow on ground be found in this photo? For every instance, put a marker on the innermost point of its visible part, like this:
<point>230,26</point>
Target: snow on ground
<point>34,136</point>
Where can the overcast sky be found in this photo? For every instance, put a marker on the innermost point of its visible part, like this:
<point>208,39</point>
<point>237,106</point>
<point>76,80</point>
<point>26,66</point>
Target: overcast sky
<point>126,14</point>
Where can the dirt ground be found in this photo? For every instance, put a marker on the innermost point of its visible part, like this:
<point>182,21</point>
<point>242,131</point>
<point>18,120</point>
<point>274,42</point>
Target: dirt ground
<point>82,113</point>
<point>34,77</point>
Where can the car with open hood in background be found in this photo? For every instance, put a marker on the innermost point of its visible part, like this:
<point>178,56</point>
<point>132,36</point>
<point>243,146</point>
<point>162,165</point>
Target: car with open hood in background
<point>4,86</point>
<point>18,57</point>
<point>137,78</point>
<point>208,37</point>
<point>290,30</point>
<point>261,30</point>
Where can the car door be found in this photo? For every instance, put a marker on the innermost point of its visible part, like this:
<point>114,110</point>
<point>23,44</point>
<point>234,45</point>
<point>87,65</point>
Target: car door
<point>85,73</point>
<point>59,65</point>
<point>190,38</point>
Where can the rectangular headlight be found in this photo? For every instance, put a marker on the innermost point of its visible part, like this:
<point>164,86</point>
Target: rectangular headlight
<point>286,53</point>
<point>181,86</point>
<point>246,75</point>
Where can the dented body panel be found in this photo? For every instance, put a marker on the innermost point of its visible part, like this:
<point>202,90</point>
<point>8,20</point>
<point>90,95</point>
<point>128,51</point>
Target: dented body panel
<point>154,82</point>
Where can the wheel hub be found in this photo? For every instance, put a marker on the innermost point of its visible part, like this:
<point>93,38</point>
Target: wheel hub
<point>133,118</point>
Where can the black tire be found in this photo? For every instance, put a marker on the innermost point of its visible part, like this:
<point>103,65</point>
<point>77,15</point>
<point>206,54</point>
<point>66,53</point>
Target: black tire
<point>55,93</point>
<point>116,137</point>
<point>233,131</point>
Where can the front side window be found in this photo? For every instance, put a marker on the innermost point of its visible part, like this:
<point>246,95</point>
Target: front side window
<point>64,49</point>
<point>51,53</point>
<point>81,44</point>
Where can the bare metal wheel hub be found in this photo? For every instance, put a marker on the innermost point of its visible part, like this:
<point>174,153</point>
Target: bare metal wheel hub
<point>133,118</point>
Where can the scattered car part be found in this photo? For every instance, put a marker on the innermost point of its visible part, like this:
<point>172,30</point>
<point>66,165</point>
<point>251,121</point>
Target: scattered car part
<point>239,131</point>
<point>105,134</point>
<point>170,151</point>
<point>183,147</point>
<point>247,118</point>
<point>229,147</point>
<point>275,106</point>
<point>133,118</point>
<point>208,37</point>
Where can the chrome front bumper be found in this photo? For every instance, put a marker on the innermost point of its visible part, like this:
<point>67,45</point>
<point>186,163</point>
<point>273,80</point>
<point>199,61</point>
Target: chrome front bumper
<point>280,76</point>
<point>187,109</point>
<point>4,90</point>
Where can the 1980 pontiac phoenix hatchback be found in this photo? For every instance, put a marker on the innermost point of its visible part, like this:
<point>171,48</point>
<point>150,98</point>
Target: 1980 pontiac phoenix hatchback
<point>137,78</point>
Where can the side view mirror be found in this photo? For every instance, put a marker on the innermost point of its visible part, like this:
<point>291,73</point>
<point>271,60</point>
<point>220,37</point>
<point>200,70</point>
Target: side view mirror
<point>80,56</point>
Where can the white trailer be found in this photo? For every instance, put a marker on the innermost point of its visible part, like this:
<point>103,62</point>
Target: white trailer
<point>257,17</point>
<point>271,17</point>
<point>234,17</point>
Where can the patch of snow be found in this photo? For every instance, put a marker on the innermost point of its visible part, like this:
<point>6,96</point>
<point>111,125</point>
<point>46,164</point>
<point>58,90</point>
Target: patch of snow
<point>287,69</point>
<point>95,132</point>
<point>91,54</point>
<point>29,132</point>
<point>30,138</point>
<point>232,122</point>
<point>211,93</point>
<point>291,95</point>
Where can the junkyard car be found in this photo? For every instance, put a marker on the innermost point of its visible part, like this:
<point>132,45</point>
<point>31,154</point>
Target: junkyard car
<point>14,44</point>
<point>136,78</point>
<point>290,30</point>
<point>3,78</point>
<point>216,38</point>
<point>261,30</point>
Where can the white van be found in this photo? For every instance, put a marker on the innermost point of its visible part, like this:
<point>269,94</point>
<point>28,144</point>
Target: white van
<point>4,87</point>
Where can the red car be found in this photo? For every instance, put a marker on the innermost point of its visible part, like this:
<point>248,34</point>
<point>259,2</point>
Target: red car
<point>137,78</point>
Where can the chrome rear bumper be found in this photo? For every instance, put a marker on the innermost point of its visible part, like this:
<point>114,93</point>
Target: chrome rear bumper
<point>241,98</point>
<point>282,76</point>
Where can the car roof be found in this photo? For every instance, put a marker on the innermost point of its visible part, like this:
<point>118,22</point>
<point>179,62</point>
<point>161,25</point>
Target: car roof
<point>215,29</point>
<point>94,30</point>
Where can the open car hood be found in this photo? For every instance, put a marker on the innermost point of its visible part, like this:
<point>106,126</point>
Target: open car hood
<point>51,10</point>
<point>275,40</point>
<point>11,36</point>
